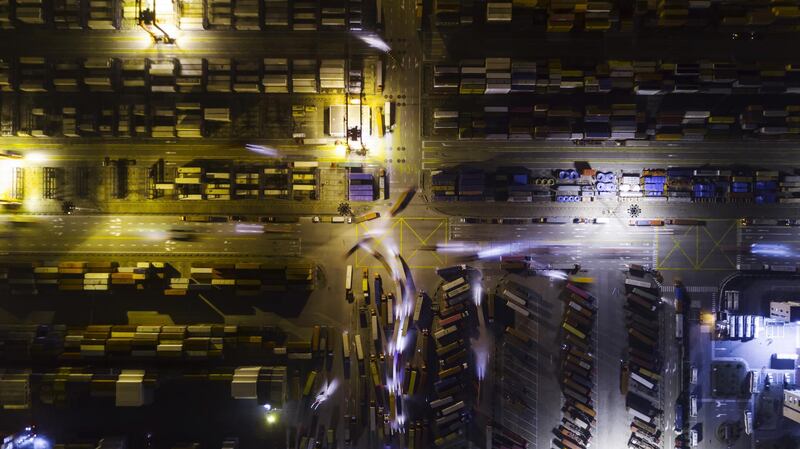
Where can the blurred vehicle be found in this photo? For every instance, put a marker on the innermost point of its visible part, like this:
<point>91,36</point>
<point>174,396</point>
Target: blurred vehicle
<point>280,219</point>
<point>204,218</point>
<point>182,235</point>
<point>368,217</point>
<point>21,222</point>
<point>403,201</point>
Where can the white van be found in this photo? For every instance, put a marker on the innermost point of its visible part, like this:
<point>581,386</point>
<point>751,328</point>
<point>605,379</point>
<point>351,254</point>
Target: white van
<point>693,406</point>
<point>694,438</point>
<point>693,375</point>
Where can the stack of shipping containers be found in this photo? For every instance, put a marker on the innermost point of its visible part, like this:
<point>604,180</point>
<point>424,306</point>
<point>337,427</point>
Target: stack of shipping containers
<point>444,185</point>
<point>276,75</point>
<point>304,76</point>
<point>276,182</point>
<point>654,182</point>
<point>218,74</point>
<point>498,75</point>
<point>218,185</point>
<point>473,77</point>
<point>304,179</point>
<point>245,14</point>
<point>453,389</point>
<point>641,372</point>
<point>766,187</point>
<point>577,369</point>
<point>361,186</point>
<point>247,184</point>
<point>790,189</point>
<point>189,182</point>
<point>471,185</point>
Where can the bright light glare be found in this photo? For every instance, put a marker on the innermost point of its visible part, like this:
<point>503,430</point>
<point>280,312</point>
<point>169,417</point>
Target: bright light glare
<point>478,294</point>
<point>340,150</point>
<point>554,274</point>
<point>272,418</point>
<point>374,41</point>
<point>143,39</point>
<point>36,158</point>
<point>155,235</point>
<point>41,443</point>
<point>495,252</point>
<point>375,232</point>
<point>260,149</point>
<point>326,393</point>
<point>769,249</point>
<point>249,228</point>
<point>267,407</point>
<point>457,247</point>
<point>7,167</point>
<point>482,349</point>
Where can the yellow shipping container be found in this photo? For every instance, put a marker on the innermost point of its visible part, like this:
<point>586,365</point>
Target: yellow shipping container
<point>722,119</point>
<point>175,292</point>
<point>668,136</point>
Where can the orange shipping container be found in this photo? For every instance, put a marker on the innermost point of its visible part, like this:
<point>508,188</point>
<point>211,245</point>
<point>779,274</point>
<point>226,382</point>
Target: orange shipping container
<point>175,292</point>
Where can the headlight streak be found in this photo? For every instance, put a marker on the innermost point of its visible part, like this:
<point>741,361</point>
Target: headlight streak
<point>397,343</point>
<point>262,150</point>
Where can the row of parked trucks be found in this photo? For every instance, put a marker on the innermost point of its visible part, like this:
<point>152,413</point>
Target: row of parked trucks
<point>592,17</point>
<point>577,369</point>
<point>375,355</point>
<point>641,372</point>
<point>454,388</point>
<point>620,122</point>
<point>674,184</point>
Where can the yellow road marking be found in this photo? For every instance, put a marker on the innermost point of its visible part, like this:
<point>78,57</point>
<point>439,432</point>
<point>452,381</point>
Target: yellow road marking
<point>676,244</point>
<point>400,234</point>
<point>716,244</point>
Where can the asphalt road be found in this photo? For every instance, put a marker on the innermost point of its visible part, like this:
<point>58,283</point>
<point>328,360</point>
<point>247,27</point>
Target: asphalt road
<point>591,246</point>
<point>772,245</point>
<point>139,235</point>
<point>439,153</point>
<point>404,73</point>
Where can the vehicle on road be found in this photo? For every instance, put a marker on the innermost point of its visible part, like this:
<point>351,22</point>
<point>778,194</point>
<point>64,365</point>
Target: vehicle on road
<point>182,235</point>
<point>204,218</point>
<point>646,223</point>
<point>348,284</point>
<point>368,217</point>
